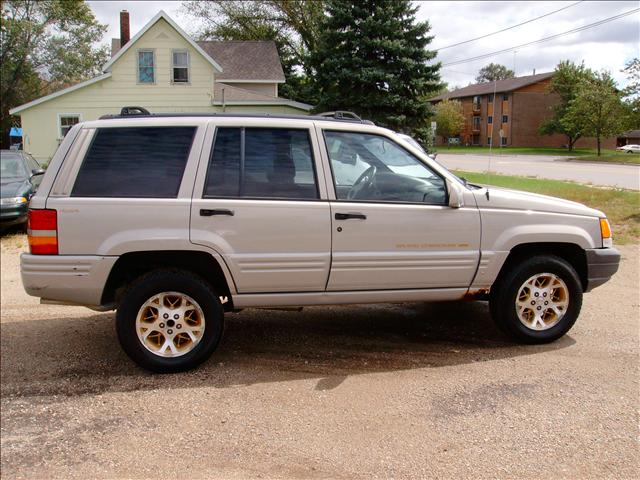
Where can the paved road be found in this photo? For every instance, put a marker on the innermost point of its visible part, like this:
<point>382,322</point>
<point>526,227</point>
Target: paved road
<point>390,391</point>
<point>555,168</point>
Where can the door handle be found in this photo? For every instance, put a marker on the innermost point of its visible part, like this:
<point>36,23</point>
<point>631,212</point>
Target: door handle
<point>347,216</point>
<point>205,212</point>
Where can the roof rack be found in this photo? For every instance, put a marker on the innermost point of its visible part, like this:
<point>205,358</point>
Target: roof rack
<point>140,112</point>
<point>344,116</point>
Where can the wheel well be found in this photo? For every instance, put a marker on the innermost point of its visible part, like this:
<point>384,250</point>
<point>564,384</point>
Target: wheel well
<point>132,265</point>
<point>569,252</point>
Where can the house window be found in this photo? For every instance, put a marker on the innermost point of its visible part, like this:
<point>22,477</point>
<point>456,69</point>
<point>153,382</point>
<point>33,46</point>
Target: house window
<point>505,97</point>
<point>505,118</point>
<point>180,66</point>
<point>503,141</point>
<point>66,121</point>
<point>146,66</point>
<point>490,119</point>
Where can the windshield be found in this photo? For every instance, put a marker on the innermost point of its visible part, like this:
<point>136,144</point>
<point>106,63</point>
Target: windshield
<point>12,166</point>
<point>413,142</point>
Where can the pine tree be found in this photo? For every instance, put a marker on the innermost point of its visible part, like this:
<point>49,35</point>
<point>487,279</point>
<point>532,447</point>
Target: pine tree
<point>372,59</point>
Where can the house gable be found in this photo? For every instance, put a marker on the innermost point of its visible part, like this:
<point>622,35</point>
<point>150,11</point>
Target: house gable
<point>149,26</point>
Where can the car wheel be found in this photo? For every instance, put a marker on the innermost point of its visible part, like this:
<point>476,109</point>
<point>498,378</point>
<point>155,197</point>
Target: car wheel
<point>169,321</point>
<point>538,300</point>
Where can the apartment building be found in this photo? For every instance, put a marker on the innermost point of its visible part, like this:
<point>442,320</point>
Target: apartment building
<point>509,113</point>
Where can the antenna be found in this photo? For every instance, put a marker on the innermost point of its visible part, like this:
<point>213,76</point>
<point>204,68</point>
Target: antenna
<point>493,122</point>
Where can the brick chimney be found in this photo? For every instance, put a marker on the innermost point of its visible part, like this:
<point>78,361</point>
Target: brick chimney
<point>124,28</point>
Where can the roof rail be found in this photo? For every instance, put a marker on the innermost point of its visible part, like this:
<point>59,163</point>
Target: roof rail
<point>130,111</point>
<point>125,111</point>
<point>140,112</point>
<point>344,116</point>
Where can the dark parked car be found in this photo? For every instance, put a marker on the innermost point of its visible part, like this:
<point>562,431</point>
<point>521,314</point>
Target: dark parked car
<point>20,175</point>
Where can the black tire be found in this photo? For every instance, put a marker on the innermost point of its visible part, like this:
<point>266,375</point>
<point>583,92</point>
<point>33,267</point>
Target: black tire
<point>153,283</point>
<point>502,301</point>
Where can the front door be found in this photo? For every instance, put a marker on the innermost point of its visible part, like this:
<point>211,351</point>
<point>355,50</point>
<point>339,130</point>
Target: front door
<point>392,226</point>
<point>257,203</point>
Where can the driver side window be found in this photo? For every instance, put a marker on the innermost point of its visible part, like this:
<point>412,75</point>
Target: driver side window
<point>370,167</point>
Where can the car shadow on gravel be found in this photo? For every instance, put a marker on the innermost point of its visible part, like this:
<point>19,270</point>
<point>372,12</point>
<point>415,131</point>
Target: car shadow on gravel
<point>80,356</point>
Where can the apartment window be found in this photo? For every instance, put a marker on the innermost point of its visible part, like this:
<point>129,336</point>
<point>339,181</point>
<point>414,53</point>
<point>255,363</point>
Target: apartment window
<point>505,97</point>
<point>146,66</point>
<point>503,141</point>
<point>66,121</point>
<point>488,140</point>
<point>505,118</point>
<point>490,119</point>
<point>476,103</point>
<point>490,98</point>
<point>180,66</point>
<point>476,123</point>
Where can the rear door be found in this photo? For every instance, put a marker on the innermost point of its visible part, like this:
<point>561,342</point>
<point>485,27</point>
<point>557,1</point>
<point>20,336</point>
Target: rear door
<point>392,225</point>
<point>260,202</point>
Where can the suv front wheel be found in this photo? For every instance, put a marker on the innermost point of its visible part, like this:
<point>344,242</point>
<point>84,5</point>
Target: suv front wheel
<point>169,321</point>
<point>538,300</point>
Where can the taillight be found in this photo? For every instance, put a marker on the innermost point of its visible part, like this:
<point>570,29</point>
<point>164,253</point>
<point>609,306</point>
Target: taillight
<point>43,232</point>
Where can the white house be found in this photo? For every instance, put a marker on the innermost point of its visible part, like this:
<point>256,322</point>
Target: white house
<point>163,70</point>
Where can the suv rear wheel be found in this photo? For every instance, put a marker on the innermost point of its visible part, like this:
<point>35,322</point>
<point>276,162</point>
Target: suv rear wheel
<point>169,321</point>
<point>538,300</point>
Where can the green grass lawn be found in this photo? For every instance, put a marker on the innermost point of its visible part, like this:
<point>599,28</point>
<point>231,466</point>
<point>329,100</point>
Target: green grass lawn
<point>582,154</point>
<point>621,206</point>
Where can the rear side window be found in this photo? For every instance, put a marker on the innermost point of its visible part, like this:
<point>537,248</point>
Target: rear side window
<point>261,163</point>
<point>145,162</point>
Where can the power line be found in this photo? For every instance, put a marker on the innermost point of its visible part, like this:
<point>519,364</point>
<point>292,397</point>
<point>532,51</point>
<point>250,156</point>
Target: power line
<point>508,28</point>
<point>541,40</point>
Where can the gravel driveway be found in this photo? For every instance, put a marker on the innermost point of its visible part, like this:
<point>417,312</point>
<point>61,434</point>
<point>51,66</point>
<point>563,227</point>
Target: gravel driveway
<point>402,391</point>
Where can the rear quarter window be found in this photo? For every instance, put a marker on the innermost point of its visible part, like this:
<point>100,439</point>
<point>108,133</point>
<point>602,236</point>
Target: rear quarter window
<point>145,162</point>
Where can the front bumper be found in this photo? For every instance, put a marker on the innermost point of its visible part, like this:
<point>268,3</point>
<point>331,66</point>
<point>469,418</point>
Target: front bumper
<point>13,214</point>
<point>66,278</point>
<point>602,263</point>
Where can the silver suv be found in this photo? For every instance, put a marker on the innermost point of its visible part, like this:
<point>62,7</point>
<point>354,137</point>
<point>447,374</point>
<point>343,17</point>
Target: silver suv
<point>174,220</point>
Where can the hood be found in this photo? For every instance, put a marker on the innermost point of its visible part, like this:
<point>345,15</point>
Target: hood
<point>517,200</point>
<point>14,187</point>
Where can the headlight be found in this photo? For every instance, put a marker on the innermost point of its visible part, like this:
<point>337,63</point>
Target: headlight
<point>605,232</point>
<point>13,201</point>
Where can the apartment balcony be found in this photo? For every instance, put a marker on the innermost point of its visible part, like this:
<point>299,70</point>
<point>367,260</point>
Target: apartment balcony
<point>475,107</point>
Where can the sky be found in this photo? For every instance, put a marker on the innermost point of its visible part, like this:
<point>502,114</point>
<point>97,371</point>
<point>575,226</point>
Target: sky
<point>605,47</point>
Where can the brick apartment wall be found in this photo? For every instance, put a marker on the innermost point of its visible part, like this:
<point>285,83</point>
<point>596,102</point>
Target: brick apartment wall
<point>530,110</point>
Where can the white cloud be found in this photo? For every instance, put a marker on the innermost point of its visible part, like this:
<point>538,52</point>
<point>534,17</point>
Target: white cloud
<point>605,47</point>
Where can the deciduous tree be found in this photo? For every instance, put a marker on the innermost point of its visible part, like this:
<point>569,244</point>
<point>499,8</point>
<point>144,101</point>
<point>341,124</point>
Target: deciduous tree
<point>565,83</point>
<point>372,58</point>
<point>45,45</point>
<point>449,118</point>
<point>597,107</point>
<point>494,71</point>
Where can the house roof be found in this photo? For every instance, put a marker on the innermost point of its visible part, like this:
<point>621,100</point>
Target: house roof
<point>631,134</point>
<point>246,60</point>
<point>500,86</point>
<point>64,91</point>
<point>161,14</point>
<point>240,96</point>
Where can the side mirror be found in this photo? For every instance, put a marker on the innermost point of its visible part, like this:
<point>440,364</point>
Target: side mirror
<point>456,194</point>
<point>37,171</point>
